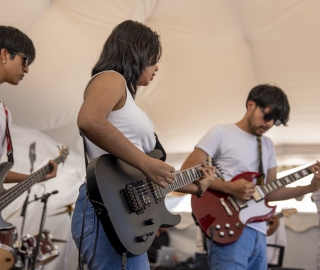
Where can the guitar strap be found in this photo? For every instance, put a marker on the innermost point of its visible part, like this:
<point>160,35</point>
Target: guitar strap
<point>160,147</point>
<point>157,146</point>
<point>260,179</point>
<point>8,136</point>
<point>84,149</point>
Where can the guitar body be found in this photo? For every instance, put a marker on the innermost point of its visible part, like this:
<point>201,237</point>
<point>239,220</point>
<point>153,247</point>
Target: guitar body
<point>4,169</point>
<point>128,231</point>
<point>218,218</point>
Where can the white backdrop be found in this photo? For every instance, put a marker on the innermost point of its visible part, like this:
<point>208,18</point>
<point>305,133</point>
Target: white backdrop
<point>214,52</point>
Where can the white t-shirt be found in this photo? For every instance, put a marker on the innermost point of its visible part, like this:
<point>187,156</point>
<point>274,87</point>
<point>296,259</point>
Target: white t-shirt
<point>236,151</point>
<point>132,122</point>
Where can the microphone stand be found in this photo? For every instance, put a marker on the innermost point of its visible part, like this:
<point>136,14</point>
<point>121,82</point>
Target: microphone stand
<point>43,199</point>
<point>32,156</point>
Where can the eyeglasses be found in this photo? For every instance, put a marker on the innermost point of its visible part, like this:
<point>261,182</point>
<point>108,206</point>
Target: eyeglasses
<point>269,116</point>
<point>25,59</point>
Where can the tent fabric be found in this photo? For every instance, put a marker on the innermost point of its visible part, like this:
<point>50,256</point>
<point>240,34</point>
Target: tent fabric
<point>214,52</point>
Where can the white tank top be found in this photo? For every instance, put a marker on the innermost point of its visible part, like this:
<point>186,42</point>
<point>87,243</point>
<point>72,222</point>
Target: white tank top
<point>131,121</point>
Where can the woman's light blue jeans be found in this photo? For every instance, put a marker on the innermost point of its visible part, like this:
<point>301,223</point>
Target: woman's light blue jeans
<point>104,257</point>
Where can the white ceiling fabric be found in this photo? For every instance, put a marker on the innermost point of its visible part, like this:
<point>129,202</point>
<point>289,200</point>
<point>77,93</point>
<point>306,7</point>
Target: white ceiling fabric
<point>214,52</point>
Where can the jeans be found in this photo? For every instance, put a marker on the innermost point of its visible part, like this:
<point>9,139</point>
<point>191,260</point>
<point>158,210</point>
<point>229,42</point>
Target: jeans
<point>247,253</point>
<point>94,238</point>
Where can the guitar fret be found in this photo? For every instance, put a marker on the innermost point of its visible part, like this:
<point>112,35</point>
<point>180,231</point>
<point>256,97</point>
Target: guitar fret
<point>264,189</point>
<point>21,187</point>
<point>274,185</point>
<point>296,175</point>
<point>287,179</point>
<point>306,171</point>
<point>183,178</point>
<point>198,173</point>
<point>267,190</point>
<point>279,183</point>
<point>270,187</point>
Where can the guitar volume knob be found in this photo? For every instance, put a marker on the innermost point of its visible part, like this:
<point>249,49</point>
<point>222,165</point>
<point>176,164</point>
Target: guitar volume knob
<point>221,234</point>
<point>142,238</point>
<point>150,221</point>
<point>231,233</point>
<point>218,227</point>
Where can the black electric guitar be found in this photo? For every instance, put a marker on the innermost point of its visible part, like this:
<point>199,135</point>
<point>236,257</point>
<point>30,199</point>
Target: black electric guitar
<point>8,196</point>
<point>222,217</point>
<point>130,207</point>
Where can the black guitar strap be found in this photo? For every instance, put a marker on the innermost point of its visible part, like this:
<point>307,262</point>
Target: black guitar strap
<point>81,261</point>
<point>260,179</point>
<point>160,147</point>
<point>84,149</point>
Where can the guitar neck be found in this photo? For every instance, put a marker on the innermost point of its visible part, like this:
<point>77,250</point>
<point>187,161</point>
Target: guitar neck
<point>183,178</point>
<point>286,180</point>
<point>10,195</point>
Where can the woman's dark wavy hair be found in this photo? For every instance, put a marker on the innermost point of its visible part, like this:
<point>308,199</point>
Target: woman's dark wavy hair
<point>265,95</point>
<point>14,40</point>
<point>130,48</point>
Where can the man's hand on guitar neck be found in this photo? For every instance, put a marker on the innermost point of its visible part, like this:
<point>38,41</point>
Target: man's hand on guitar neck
<point>15,177</point>
<point>315,182</point>
<point>52,173</point>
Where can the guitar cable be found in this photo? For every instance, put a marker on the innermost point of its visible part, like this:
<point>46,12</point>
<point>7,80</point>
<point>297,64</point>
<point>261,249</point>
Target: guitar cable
<point>82,229</point>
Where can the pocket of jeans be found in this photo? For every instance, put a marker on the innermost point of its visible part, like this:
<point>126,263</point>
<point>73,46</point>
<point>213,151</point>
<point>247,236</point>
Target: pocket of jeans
<point>78,215</point>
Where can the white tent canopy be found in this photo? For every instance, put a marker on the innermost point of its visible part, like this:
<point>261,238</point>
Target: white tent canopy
<point>214,52</point>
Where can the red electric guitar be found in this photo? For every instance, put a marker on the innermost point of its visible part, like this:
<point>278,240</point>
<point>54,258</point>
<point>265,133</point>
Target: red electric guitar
<point>222,217</point>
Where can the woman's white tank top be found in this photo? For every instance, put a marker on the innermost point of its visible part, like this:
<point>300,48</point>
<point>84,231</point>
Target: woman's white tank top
<point>131,121</point>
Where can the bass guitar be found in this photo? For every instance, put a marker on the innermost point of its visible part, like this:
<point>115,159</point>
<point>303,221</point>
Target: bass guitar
<point>131,207</point>
<point>222,217</point>
<point>8,196</point>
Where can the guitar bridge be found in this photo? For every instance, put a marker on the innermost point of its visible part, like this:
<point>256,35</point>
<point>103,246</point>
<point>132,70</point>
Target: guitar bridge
<point>137,197</point>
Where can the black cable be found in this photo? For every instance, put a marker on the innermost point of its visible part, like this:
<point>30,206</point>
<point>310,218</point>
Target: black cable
<point>82,229</point>
<point>96,239</point>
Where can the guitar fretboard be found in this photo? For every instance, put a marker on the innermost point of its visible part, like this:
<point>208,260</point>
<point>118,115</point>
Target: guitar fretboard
<point>10,195</point>
<point>286,180</point>
<point>182,179</point>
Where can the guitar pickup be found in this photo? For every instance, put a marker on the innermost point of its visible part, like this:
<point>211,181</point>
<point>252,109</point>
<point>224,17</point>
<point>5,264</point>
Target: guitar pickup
<point>136,198</point>
<point>225,206</point>
<point>257,195</point>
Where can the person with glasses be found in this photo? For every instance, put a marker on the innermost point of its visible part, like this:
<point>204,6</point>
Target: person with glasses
<point>236,149</point>
<point>17,52</point>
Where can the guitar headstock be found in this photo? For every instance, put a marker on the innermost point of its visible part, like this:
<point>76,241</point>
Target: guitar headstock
<point>288,212</point>
<point>64,152</point>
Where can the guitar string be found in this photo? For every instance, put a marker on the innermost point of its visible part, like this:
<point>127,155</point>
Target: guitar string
<point>144,189</point>
<point>182,178</point>
<point>17,190</point>
<point>192,174</point>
